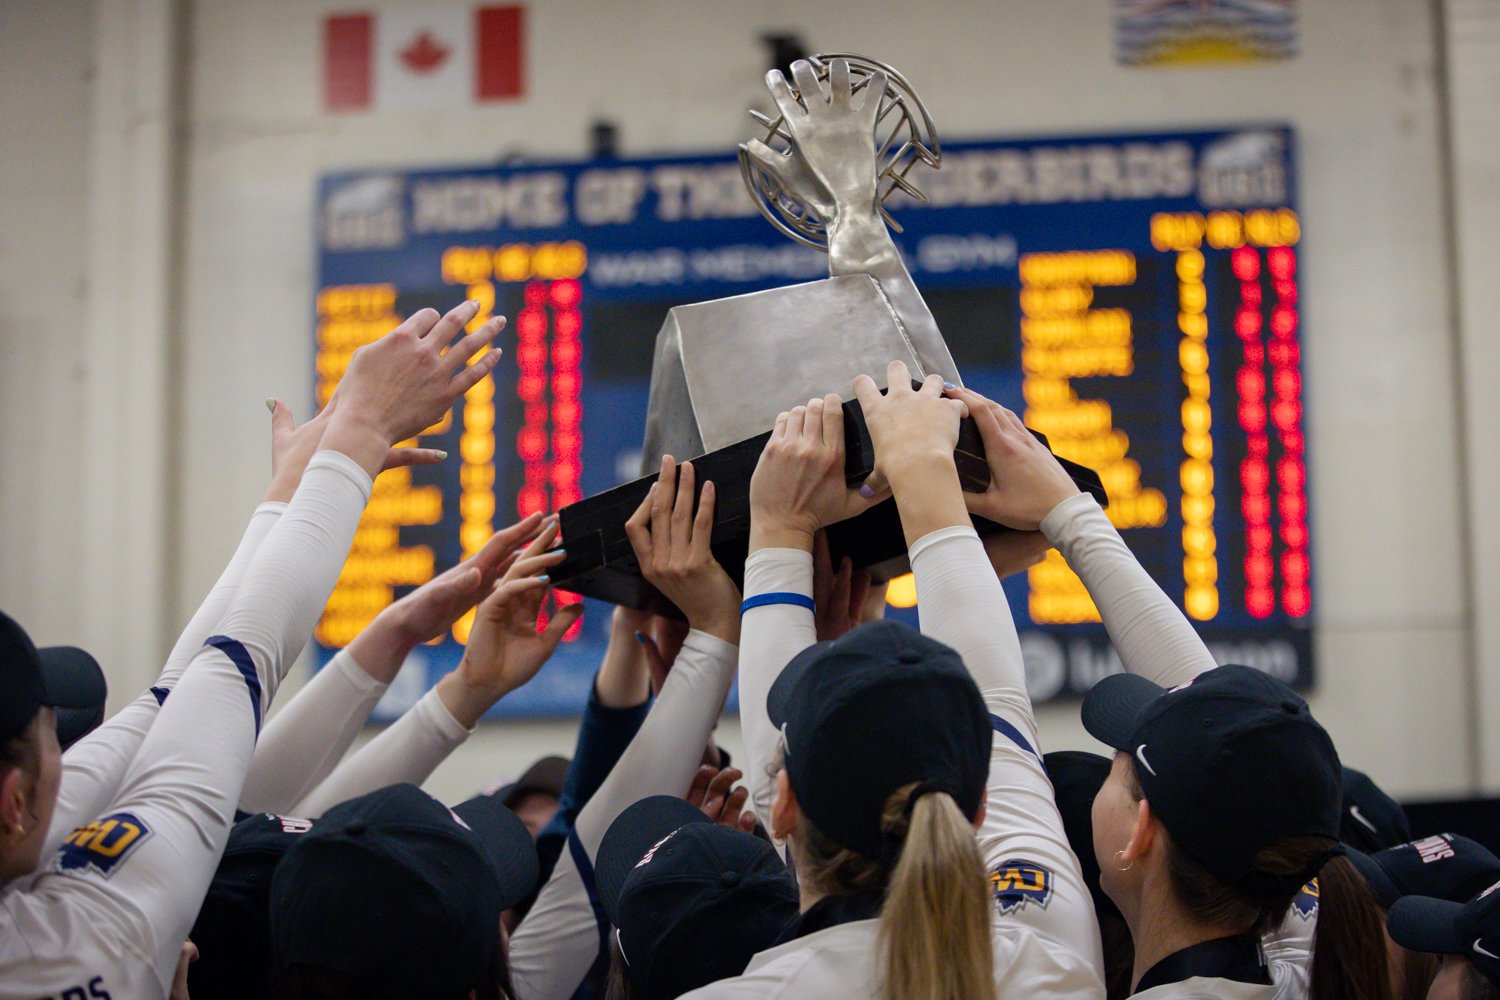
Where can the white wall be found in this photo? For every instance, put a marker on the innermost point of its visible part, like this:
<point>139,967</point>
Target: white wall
<point>1388,528</point>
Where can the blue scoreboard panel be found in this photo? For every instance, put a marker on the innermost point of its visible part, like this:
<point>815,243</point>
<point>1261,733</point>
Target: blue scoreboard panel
<point>1134,297</point>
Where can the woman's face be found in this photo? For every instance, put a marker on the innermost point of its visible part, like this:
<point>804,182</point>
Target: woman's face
<point>1115,813</point>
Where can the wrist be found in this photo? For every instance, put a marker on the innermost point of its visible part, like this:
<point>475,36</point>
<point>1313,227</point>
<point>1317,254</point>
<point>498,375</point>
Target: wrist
<point>360,437</point>
<point>466,700</point>
<point>722,627</point>
<point>916,463</point>
<point>772,533</point>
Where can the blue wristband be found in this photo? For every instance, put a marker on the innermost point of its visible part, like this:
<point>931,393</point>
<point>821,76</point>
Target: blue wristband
<point>778,597</point>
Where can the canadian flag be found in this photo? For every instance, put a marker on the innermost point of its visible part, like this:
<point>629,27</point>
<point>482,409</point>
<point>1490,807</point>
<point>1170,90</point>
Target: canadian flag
<point>421,57</point>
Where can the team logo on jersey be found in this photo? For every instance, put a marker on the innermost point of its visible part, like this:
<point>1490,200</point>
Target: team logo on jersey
<point>102,844</point>
<point>1306,900</point>
<point>1016,883</point>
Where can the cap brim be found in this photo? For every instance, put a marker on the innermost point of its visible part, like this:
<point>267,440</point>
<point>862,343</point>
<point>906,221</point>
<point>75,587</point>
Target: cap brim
<point>507,843</point>
<point>546,775</point>
<point>1423,923</point>
<point>780,695</point>
<point>1381,886</point>
<point>1112,710</point>
<point>73,685</point>
<point>634,832</point>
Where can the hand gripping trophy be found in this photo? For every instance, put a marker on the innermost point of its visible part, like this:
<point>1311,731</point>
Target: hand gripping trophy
<point>849,132</point>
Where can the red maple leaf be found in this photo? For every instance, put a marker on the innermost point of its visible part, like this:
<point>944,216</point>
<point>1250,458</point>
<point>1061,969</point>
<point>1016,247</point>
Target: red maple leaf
<point>424,54</point>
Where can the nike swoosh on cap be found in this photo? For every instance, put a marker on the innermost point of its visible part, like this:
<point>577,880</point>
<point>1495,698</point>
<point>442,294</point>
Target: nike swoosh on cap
<point>1354,811</point>
<point>1481,949</point>
<point>1140,753</point>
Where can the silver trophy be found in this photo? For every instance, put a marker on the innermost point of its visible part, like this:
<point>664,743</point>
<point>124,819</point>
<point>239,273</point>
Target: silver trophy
<point>849,133</point>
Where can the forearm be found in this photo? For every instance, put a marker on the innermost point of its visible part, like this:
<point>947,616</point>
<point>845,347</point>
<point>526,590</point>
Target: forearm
<point>1152,636</point>
<point>382,646</point>
<point>94,767</point>
<point>559,939</point>
<point>408,751</point>
<point>623,680</point>
<point>772,633</point>
<point>962,604</point>
<point>305,740</point>
<point>928,494</point>
<point>185,782</point>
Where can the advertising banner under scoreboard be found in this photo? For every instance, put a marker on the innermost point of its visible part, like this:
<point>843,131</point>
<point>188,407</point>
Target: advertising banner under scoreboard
<point>1134,297</point>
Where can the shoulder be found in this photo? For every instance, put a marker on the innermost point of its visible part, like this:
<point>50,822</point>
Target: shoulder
<point>1201,988</point>
<point>58,937</point>
<point>830,965</point>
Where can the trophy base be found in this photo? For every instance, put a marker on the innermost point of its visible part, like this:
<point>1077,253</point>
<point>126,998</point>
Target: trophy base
<point>601,564</point>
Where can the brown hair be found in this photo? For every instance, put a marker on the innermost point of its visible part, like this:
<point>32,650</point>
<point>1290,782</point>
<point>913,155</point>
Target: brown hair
<point>1418,970</point>
<point>935,922</point>
<point>1349,960</point>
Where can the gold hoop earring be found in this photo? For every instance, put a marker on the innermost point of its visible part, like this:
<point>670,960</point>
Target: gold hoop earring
<point>1118,856</point>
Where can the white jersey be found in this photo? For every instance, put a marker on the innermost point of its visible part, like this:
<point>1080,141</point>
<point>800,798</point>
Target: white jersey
<point>1044,933</point>
<point>105,915</point>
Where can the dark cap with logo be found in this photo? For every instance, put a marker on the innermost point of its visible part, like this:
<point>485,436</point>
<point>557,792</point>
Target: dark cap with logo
<point>881,707</point>
<point>692,901</point>
<point>1373,820</point>
<point>395,890</point>
<point>233,930</point>
<point>1448,866</point>
<point>1443,927</point>
<point>1231,764</point>
<point>58,677</point>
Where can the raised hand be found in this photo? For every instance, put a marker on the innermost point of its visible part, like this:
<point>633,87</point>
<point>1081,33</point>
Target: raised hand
<point>831,165</point>
<point>1026,480</point>
<point>839,595</point>
<point>713,792</point>
<point>292,447</point>
<point>671,544</point>
<point>505,650</point>
<point>798,485</point>
<point>406,380</point>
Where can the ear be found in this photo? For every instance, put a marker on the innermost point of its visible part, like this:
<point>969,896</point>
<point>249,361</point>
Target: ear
<point>984,806</point>
<point>786,816</point>
<point>12,799</point>
<point>1143,836</point>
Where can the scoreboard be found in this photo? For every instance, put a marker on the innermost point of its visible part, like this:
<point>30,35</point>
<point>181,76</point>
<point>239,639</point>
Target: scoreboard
<point>1134,297</point>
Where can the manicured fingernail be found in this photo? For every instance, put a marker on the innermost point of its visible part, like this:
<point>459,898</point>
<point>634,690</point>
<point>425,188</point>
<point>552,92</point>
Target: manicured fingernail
<point>640,637</point>
<point>474,303</point>
<point>867,491</point>
<point>557,551</point>
<point>949,385</point>
<point>543,576</point>
<point>440,454</point>
<point>271,405</point>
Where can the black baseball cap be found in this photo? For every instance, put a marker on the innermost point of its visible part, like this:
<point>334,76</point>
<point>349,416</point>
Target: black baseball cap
<point>545,775</point>
<point>233,929</point>
<point>692,901</point>
<point>1077,776</point>
<point>1443,927</point>
<point>1231,763</point>
<point>864,714</point>
<point>1448,866</point>
<point>1372,820</point>
<point>396,890</point>
<point>63,678</point>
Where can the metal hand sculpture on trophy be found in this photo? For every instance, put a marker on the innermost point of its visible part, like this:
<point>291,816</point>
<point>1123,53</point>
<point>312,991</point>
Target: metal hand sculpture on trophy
<point>847,137</point>
<point>845,141</point>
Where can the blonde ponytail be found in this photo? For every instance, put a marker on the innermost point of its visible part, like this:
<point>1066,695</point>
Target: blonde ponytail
<point>935,925</point>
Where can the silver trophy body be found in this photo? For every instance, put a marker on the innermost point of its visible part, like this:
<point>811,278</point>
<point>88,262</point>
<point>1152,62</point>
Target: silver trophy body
<point>846,139</point>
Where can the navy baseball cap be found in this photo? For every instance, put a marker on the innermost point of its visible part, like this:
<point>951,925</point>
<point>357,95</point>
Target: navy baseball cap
<point>1443,927</point>
<point>233,929</point>
<point>692,901</point>
<point>1448,866</point>
<point>396,890</point>
<point>1231,728</point>
<point>1076,777</point>
<point>63,678</point>
<point>1372,820</point>
<point>864,714</point>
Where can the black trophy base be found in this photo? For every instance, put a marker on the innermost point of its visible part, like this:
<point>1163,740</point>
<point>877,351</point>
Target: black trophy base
<point>600,562</point>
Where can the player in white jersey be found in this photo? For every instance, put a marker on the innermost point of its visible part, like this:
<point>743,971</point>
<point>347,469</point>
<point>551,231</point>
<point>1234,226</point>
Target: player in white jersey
<point>105,915</point>
<point>929,850</point>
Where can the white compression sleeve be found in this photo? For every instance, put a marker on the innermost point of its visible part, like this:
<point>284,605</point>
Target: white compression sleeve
<point>770,635</point>
<point>305,740</point>
<point>182,787</point>
<point>562,934</point>
<point>409,750</point>
<point>95,765</point>
<point>1153,637</point>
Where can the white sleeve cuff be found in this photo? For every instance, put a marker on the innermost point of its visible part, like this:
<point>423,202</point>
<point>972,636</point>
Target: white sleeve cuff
<point>349,670</point>
<point>932,538</point>
<point>1055,525</point>
<point>711,646</point>
<point>436,714</point>
<point>770,571</point>
<point>344,465</point>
